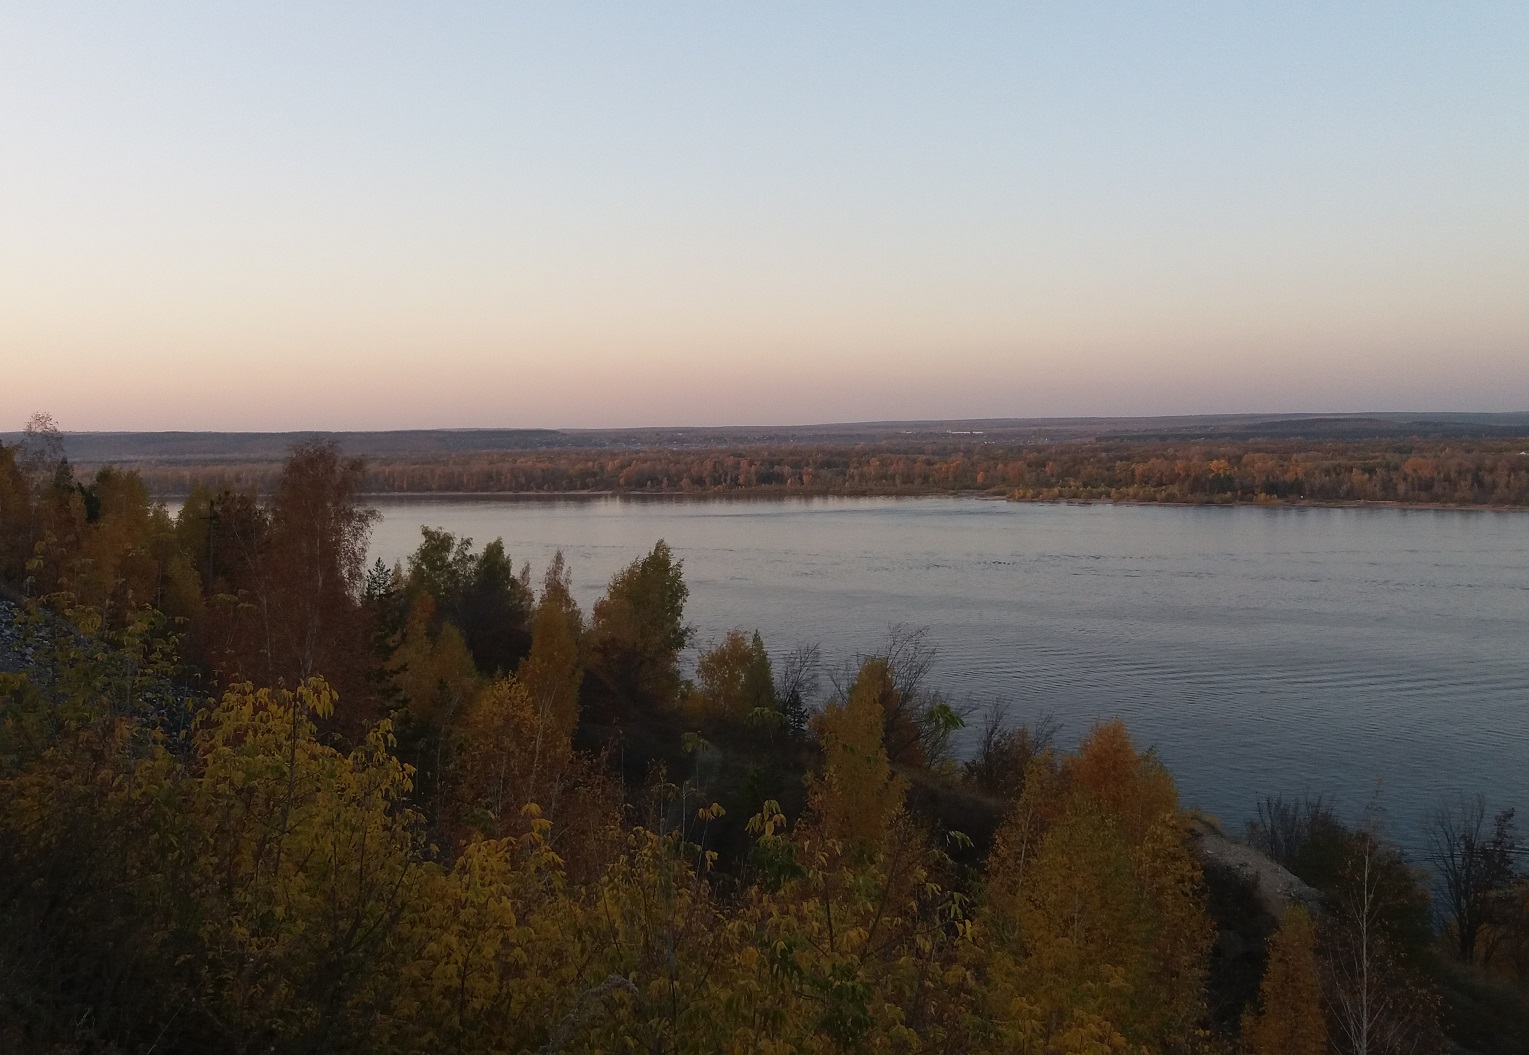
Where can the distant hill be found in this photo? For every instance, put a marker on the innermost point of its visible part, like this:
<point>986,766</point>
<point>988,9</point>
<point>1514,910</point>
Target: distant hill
<point>224,447</point>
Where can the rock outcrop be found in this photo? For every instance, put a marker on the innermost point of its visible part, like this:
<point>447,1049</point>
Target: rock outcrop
<point>1273,886</point>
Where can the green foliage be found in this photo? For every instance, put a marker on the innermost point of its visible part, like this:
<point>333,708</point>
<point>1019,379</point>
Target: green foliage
<point>638,631</point>
<point>478,593</point>
<point>442,566</point>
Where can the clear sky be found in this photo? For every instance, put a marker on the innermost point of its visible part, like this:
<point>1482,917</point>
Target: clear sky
<point>378,215</point>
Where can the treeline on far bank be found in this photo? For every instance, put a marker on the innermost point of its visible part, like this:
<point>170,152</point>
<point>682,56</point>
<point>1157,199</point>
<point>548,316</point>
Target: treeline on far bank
<point>258,797</point>
<point>1485,472</point>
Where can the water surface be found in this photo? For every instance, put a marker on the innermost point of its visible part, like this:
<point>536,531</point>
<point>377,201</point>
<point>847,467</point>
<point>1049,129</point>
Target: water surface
<point>1259,650</point>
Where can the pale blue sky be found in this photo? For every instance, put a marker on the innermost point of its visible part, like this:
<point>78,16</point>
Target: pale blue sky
<point>386,215</point>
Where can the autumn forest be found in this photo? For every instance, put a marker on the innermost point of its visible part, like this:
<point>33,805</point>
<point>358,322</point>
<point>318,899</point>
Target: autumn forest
<point>258,794</point>
<point>1459,471</point>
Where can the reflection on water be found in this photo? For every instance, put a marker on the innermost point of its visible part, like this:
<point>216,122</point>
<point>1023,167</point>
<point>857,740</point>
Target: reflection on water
<point>1261,650</point>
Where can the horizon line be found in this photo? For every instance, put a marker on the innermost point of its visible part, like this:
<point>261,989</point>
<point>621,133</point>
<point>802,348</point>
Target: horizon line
<point>881,422</point>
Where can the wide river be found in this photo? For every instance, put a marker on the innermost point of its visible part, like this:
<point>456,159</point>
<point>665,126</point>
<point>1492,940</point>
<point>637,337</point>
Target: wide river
<point>1377,655</point>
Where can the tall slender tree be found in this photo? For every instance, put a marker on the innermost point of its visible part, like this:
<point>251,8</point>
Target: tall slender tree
<point>1289,1020</point>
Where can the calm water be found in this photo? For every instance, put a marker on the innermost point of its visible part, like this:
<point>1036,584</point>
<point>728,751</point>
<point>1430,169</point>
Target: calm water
<point>1260,650</point>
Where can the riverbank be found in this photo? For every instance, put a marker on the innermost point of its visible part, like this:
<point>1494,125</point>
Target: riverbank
<point>1424,472</point>
<point>778,495</point>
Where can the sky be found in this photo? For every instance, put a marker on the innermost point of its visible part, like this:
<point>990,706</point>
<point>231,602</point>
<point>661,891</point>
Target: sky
<point>385,215</point>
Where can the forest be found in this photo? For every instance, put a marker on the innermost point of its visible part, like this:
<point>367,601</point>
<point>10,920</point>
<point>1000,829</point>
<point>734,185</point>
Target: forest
<point>1423,471</point>
<point>257,795</point>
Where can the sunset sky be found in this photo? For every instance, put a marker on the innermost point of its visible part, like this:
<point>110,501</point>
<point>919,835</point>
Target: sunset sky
<point>379,215</point>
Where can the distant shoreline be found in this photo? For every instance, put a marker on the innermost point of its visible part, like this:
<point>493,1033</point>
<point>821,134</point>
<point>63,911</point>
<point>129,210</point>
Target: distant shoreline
<point>977,496</point>
<point>1413,473</point>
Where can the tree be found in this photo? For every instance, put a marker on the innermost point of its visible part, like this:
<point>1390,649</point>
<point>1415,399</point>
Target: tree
<point>225,537</point>
<point>55,511</point>
<point>1375,1002</point>
<point>553,670</point>
<point>506,754</point>
<point>94,831</point>
<point>305,857</point>
<point>1094,916</point>
<point>435,677</point>
<point>919,721</point>
<point>479,593</point>
<point>42,447</point>
<point>498,950</point>
<point>233,889</point>
<point>1304,835</point>
<point>734,682</point>
<point>494,611</point>
<point>758,687</point>
<point>858,796</point>
<point>320,531</point>
<point>1474,868</point>
<point>124,550</point>
<point>849,939</point>
<point>638,630</point>
<point>441,566</point>
<point>795,685</point>
<point>1289,1020</point>
<point>283,579</point>
<point>1004,752</point>
<point>16,518</point>
<point>1511,928</point>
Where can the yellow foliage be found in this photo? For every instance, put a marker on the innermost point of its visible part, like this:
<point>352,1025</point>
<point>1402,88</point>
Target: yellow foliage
<point>1289,1020</point>
<point>435,674</point>
<point>499,943</point>
<point>510,754</point>
<point>288,898</point>
<point>733,681</point>
<point>1132,788</point>
<point>1094,926</point>
<point>303,855</point>
<point>552,672</point>
<point>857,797</point>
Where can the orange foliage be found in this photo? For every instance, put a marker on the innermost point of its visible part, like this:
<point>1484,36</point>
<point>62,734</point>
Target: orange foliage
<point>1414,471</point>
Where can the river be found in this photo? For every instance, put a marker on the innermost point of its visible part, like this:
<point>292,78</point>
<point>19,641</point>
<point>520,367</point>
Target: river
<point>1379,656</point>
